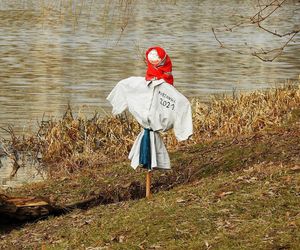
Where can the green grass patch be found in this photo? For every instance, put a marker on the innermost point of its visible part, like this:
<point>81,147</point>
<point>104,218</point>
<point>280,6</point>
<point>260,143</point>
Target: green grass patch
<point>254,208</point>
<point>234,193</point>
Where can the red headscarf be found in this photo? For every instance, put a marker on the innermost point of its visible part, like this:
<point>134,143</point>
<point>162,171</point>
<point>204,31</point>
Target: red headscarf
<point>159,65</point>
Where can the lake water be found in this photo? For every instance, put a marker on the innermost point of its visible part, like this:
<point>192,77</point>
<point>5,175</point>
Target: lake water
<point>24,175</point>
<point>57,52</point>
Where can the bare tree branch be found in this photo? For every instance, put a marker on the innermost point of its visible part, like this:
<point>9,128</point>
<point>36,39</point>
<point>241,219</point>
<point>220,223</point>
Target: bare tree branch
<point>265,12</point>
<point>12,153</point>
<point>223,46</point>
<point>259,13</point>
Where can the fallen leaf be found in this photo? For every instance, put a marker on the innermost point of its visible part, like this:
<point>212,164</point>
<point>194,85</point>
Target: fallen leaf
<point>155,247</point>
<point>225,210</point>
<point>293,224</point>
<point>207,244</point>
<point>223,194</point>
<point>296,168</point>
<point>96,248</point>
<point>180,200</point>
<point>240,178</point>
<point>121,238</point>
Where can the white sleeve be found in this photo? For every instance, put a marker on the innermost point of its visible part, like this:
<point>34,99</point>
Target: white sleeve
<point>117,98</point>
<point>183,126</point>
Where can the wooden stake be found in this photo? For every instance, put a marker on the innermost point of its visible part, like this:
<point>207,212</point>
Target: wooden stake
<point>148,185</point>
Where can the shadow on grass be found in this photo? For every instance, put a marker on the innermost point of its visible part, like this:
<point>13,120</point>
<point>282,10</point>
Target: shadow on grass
<point>188,165</point>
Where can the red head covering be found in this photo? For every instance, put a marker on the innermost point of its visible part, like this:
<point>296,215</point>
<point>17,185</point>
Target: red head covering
<point>159,65</point>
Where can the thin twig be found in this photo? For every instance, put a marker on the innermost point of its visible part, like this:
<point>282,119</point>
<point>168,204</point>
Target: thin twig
<point>257,19</point>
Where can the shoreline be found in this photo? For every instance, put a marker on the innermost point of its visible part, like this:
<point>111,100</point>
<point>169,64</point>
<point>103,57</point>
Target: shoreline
<point>223,189</point>
<point>245,177</point>
<point>96,136</point>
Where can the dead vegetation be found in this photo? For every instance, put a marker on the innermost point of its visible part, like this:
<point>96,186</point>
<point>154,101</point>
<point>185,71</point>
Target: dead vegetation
<point>72,143</point>
<point>117,182</point>
<point>245,113</point>
<point>232,186</point>
<point>224,194</point>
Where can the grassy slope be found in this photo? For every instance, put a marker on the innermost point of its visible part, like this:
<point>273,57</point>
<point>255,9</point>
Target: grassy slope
<point>240,193</point>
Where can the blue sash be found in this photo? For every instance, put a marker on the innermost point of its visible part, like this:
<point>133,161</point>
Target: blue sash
<point>145,150</point>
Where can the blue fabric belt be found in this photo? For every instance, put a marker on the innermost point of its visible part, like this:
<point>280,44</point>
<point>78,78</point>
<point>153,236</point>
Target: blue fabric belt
<point>145,150</point>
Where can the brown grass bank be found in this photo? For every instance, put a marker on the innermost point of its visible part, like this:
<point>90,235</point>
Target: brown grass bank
<point>72,143</point>
<point>235,185</point>
<point>238,193</point>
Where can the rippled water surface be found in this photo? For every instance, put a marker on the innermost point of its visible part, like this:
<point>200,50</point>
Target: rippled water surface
<point>55,52</point>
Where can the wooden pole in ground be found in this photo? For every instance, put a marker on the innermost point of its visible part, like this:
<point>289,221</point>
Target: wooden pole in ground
<point>148,184</point>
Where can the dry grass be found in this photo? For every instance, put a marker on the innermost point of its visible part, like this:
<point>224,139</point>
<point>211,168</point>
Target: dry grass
<point>222,194</point>
<point>73,143</point>
<point>252,208</point>
<point>246,113</point>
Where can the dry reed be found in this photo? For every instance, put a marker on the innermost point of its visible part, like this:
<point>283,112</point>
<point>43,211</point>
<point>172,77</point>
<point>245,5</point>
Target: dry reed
<point>75,142</point>
<point>247,113</point>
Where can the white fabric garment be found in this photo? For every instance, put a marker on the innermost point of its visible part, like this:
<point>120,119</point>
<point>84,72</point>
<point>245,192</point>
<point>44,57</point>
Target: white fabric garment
<point>156,105</point>
<point>159,154</point>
